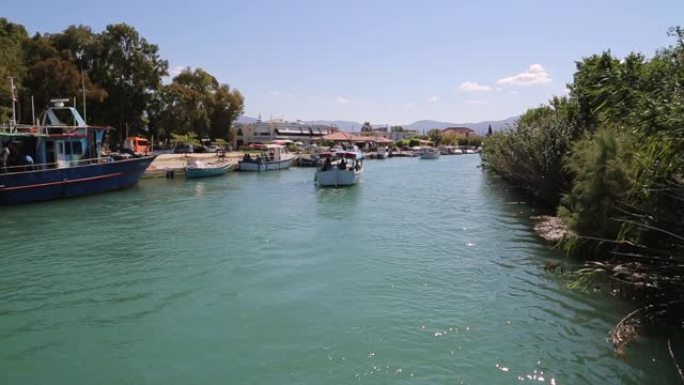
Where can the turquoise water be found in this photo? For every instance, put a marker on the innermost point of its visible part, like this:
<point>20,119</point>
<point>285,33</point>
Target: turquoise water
<point>425,273</point>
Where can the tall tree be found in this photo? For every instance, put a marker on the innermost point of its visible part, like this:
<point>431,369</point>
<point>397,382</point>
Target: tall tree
<point>367,127</point>
<point>12,37</point>
<point>130,69</point>
<point>196,102</point>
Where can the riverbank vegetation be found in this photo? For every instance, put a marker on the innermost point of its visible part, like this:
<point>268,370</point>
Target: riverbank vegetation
<point>608,158</point>
<point>123,78</point>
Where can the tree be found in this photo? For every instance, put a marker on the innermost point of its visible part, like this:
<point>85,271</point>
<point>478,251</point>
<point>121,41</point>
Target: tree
<point>367,127</point>
<point>12,37</point>
<point>195,101</point>
<point>435,136</point>
<point>396,129</point>
<point>489,130</point>
<point>130,69</point>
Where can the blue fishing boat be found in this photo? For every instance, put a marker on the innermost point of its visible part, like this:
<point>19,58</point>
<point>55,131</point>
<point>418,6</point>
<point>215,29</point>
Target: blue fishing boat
<point>61,157</point>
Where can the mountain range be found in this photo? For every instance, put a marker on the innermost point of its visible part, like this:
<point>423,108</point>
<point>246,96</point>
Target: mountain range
<point>420,126</point>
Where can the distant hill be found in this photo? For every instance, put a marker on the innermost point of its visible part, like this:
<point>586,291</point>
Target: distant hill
<point>420,126</point>
<point>479,127</point>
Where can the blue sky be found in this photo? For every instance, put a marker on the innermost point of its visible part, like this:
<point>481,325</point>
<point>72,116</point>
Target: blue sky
<point>381,61</point>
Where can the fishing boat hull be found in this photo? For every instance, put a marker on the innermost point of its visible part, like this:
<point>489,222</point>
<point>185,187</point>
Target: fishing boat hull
<point>51,184</point>
<point>204,172</point>
<point>265,165</point>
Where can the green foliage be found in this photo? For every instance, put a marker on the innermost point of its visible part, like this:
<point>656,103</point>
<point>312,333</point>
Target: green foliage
<point>435,136</point>
<point>121,73</point>
<point>532,155</point>
<point>367,127</point>
<point>413,142</point>
<point>189,138</point>
<point>603,167</point>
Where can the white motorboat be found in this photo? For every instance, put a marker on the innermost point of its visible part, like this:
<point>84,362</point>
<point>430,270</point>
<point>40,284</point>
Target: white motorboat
<point>343,168</point>
<point>273,157</point>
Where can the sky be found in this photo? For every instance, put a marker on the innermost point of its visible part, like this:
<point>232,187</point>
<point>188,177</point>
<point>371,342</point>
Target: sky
<point>387,62</point>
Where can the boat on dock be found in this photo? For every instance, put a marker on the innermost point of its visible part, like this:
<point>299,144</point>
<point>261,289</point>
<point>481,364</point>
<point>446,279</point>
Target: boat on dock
<point>61,157</point>
<point>198,169</point>
<point>272,157</point>
<point>341,168</point>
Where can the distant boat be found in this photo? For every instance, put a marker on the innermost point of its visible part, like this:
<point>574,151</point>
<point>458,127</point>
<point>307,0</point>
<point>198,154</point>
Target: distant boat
<point>61,158</point>
<point>198,169</point>
<point>381,153</point>
<point>343,168</point>
<point>273,157</point>
<point>429,153</point>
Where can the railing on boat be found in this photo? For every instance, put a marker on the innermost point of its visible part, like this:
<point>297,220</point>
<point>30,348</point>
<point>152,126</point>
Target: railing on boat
<point>52,130</point>
<point>55,165</point>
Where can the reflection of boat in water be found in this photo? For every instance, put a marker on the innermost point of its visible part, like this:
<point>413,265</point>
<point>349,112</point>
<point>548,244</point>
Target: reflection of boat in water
<point>60,158</point>
<point>429,153</point>
<point>343,168</point>
<point>198,169</point>
<point>273,157</point>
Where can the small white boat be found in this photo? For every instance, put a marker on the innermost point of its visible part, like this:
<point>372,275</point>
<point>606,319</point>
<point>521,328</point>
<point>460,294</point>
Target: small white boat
<point>273,157</point>
<point>198,169</point>
<point>381,153</point>
<point>342,168</point>
<point>429,153</point>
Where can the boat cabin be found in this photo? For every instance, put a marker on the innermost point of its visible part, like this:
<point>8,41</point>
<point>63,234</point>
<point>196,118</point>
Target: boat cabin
<point>61,139</point>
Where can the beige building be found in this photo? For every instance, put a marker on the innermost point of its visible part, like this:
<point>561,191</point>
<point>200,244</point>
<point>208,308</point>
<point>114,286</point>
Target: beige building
<point>265,132</point>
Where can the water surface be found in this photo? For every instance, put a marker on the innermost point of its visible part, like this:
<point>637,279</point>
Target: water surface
<point>425,273</point>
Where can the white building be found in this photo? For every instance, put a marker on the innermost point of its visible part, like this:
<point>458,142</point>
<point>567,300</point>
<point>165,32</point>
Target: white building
<point>265,132</point>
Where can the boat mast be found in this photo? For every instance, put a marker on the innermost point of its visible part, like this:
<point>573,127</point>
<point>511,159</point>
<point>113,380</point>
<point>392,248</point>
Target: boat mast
<point>85,115</point>
<point>14,113</point>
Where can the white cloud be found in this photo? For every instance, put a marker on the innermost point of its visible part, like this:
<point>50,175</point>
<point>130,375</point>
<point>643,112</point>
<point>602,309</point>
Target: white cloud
<point>474,87</point>
<point>514,92</point>
<point>476,101</point>
<point>342,100</point>
<point>535,74</point>
<point>433,98</point>
<point>275,93</point>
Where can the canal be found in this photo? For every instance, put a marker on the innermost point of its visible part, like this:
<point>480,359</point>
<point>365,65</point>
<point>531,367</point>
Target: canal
<point>425,273</point>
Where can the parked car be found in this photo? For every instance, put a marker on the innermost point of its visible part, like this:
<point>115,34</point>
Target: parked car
<point>183,149</point>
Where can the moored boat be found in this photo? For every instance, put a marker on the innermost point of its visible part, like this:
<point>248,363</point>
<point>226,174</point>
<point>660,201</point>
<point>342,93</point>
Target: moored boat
<point>343,168</point>
<point>429,153</point>
<point>273,157</point>
<point>198,169</point>
<point>60,158</point>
